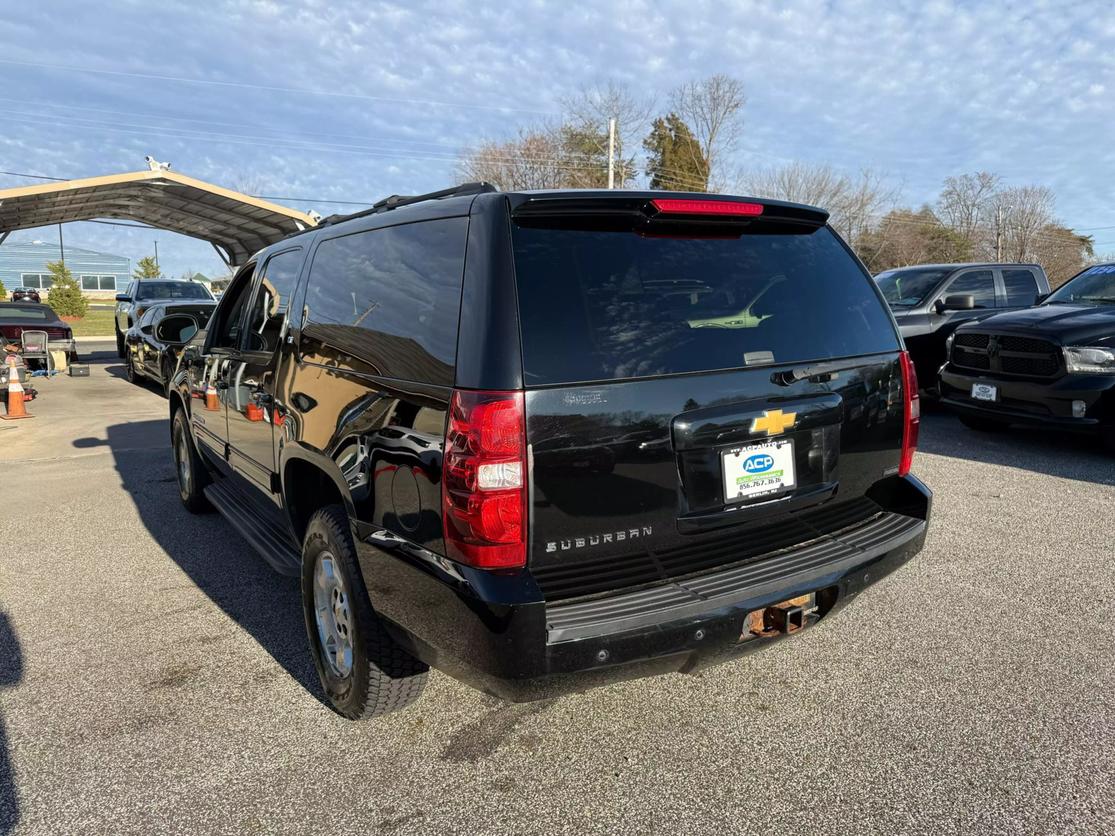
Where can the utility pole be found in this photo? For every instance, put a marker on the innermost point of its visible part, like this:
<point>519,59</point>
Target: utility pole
<point>61,247</point>
<point>611,153</point>
<point>156,252</point>
<point>999,233</point>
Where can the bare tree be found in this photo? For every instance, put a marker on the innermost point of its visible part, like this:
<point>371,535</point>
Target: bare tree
<point>853,203</point>
<point>1027,211</point>
<point>712,108</point>
<point>533,161</point>
<point>589,111</point>
<point>967,203</point>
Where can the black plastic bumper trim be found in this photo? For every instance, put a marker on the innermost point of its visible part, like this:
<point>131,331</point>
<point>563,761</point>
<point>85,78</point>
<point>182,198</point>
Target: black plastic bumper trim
<point>681,599</point>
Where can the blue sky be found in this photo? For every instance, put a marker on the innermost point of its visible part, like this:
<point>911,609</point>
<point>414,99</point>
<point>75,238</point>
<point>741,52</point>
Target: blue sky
<point>354,100</point>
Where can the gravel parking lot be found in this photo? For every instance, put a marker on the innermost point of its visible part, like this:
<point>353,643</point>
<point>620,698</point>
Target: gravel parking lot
<point>154,674</point>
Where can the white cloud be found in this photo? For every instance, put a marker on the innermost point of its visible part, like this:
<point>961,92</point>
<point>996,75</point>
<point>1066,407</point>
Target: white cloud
<point>919,90</point>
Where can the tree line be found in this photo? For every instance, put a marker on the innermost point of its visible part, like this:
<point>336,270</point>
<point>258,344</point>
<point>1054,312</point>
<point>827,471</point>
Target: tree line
<point>688,144</point>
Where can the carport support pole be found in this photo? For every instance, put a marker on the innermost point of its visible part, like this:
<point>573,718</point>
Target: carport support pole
<point>61,247</point>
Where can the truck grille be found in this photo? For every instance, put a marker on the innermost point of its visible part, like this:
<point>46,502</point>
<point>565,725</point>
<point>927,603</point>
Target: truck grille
<point>608,574</point>
<point>1006,354</point>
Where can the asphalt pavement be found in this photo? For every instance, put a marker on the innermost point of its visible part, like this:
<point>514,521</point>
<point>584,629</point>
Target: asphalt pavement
<point>154,673</point>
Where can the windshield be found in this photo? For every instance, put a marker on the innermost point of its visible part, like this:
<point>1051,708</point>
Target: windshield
<point>1096,285</point>
<point>29,313</point>
<point>906,288</point>
<point>172,290</point>
<point>608,305</point>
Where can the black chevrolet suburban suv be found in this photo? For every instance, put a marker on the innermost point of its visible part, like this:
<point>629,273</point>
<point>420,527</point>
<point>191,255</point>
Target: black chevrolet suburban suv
<point>1051,366</point>
<point>548,440</point>
<point>930,301</point>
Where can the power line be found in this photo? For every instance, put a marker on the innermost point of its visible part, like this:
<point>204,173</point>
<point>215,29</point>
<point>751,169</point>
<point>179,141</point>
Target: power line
<point>272,88</point>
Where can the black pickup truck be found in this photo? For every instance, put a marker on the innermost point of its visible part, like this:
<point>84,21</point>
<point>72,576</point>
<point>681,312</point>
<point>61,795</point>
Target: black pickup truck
<point>1051,366</point>
<point>930,301</point>
<point>547,440</point>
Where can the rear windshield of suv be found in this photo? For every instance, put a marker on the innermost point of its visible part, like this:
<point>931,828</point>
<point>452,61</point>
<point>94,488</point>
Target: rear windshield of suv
<point>609,305</point>
<point>171,290</point>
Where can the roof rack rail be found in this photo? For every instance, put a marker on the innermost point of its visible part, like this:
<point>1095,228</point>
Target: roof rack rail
<point>397,200</point>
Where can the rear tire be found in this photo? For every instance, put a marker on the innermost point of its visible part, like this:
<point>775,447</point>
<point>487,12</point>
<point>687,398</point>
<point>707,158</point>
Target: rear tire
<point>1109,439</point>
<point>190,470</point>
<point>364,672</point>
<point>983,425</point>
<point>167,372</point>
<point>119,343</point>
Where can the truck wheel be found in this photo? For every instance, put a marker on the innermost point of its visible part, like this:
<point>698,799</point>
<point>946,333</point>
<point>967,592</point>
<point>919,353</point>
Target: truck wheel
<point>167,372</point>
<point>983,425</point>
<point>119,343</point>
<point>364,672</point>
<point>1109,439</point>
<point>130,369</point>
<point>192,476</point>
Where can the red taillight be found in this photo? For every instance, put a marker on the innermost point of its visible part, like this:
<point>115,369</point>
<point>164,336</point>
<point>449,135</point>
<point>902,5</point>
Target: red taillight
<point>911,413</point>
<point>688,206</point>
<point>483,482</point>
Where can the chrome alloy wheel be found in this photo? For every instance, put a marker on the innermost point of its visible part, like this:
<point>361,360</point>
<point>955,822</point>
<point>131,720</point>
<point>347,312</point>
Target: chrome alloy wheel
<point>331,611</point>
<point>183,456</point>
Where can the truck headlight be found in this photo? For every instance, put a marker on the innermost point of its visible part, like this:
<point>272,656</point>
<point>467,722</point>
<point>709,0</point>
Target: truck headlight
<point>1089,360</point>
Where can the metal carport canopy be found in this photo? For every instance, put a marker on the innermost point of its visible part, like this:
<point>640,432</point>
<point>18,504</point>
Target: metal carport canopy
<point>236,224</point>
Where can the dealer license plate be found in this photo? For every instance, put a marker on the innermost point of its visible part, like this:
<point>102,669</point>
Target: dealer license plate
<point>756,470</point>
<point>985,392</point>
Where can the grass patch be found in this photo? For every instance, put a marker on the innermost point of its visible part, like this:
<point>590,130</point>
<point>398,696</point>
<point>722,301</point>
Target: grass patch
<point>95,323</point>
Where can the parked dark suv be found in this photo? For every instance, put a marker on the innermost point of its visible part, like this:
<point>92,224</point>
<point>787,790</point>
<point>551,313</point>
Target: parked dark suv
<point>1052,366</point>
<point>930,301</point>
<point>547,440</point>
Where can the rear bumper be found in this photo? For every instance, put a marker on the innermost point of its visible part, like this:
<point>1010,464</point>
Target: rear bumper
<point>1035,403</point>
<point>496,634</point>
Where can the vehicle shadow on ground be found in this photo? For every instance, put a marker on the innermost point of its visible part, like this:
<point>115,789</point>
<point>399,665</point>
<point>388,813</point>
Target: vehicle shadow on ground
<point>11,672</point>
<point>214,557</point>
<point>1065,455</point>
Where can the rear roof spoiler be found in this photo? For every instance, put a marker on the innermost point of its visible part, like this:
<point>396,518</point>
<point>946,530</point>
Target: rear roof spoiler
<point>638,207</point>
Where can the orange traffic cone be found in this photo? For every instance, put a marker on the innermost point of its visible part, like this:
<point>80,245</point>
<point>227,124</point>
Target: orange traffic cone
<point>16,408</point>
<point>253,412</point>
<point>211,401</point>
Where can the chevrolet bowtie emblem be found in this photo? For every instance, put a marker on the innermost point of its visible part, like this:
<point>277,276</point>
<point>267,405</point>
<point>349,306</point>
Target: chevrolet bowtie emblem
<point>773,422</point>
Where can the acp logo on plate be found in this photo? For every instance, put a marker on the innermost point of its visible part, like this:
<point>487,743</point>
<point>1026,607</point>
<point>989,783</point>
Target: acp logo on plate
<point>759,463</point>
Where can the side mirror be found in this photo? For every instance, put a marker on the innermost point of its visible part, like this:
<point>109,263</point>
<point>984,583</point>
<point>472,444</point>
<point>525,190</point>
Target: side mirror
<point>176,329</point>
<point>1041,298</point>
<point>123,297</point>
<point>959,302</point>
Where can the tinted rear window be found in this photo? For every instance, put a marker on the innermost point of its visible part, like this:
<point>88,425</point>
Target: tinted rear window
<point>391,297</point>
<point>172,290</point>
<point>43,314</point>
<point>613,305</point>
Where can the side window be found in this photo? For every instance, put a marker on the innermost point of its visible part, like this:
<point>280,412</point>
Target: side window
<point>226,321</point>
<point>391,297</point>
<point>1022,288</point>
<point>977,283</point>
<point>272,299</point>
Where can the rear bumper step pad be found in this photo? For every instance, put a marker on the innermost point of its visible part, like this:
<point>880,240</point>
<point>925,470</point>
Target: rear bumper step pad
<point>679,599</point>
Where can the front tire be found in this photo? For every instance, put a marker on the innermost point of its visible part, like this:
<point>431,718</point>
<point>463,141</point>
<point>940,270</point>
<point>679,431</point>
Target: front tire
<point>983,425</point>
<point>130,369</point>
<point>191,472</point>
<point>119,343</point>
<point>365,672</point>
